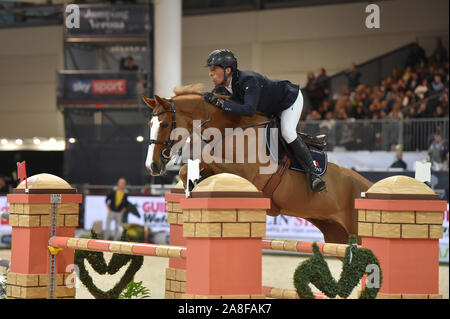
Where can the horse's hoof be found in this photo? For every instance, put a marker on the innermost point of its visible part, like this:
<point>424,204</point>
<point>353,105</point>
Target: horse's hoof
<point>191,185</point>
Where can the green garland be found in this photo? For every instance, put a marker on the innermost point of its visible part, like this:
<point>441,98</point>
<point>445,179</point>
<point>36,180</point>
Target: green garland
<point>135,290</point>
<point>315,270</point>
<point>98,263</point>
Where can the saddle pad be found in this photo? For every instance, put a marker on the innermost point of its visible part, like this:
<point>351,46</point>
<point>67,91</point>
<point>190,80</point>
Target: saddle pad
<point>320,158</point>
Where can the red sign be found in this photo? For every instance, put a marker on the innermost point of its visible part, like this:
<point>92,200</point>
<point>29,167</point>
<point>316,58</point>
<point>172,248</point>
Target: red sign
<point>4,209</point>
<point>22,172</point>
<point>113,86</point>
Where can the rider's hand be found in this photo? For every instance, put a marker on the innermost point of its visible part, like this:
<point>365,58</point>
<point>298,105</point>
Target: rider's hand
<point>214,100</point>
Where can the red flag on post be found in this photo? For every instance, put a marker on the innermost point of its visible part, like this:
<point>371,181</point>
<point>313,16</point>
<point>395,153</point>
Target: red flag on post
<point>22,173</point>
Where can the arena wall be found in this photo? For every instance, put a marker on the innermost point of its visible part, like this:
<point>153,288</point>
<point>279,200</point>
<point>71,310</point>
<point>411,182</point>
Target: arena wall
<point>281,43</point>
<point>29,60</point>
<point>289,43</point>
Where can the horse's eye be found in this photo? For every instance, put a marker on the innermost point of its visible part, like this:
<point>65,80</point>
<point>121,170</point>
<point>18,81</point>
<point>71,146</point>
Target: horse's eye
<point>165,125</point>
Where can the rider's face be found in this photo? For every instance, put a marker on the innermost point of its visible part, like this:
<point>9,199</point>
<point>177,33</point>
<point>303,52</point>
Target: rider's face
<point>216,74</point>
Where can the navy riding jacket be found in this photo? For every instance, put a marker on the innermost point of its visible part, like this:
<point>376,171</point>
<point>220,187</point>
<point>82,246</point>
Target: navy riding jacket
<point>256,92</point>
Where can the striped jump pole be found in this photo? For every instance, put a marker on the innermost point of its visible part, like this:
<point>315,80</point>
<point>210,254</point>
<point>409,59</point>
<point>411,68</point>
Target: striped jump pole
<point>283,293</point>
<point>127,248</point>
<point>305,247</point>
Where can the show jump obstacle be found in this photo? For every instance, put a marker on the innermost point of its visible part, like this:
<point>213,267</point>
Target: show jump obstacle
<point>216,239</point>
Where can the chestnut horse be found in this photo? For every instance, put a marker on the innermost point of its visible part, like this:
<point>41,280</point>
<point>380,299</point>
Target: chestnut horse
<point>331,212</point>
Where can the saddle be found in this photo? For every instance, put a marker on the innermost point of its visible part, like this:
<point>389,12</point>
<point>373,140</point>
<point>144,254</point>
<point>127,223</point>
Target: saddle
<point>316,144</point>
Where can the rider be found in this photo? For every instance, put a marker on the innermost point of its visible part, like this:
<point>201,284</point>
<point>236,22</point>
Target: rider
<point>256,92</point>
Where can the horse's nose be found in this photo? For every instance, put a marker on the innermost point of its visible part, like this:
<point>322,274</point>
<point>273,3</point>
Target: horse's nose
<point>155,168</point>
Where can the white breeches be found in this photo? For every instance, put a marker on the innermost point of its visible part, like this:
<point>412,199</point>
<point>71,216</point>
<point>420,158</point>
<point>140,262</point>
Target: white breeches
<point>289,119</point>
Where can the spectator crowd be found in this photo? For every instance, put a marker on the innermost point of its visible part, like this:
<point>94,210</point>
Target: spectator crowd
<point>419,90</point>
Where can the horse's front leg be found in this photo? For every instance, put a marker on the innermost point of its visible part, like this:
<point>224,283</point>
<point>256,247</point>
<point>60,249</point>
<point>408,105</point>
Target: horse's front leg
<point>206,170</point>
<point>183,174</point>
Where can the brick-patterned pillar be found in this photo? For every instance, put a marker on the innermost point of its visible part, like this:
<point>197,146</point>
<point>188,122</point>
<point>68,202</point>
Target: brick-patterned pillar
<point>30,220</point>
<point>400,220</point>
<point>176,273</point>
<point>224,222</point>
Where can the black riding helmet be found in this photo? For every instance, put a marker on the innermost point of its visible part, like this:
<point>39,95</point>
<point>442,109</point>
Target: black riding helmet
<point>223,58</point>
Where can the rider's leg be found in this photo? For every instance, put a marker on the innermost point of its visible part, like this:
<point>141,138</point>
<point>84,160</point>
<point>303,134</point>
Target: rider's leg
<point>289,120</point>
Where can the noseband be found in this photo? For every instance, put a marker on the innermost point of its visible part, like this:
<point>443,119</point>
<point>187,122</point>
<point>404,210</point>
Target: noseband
<point>165,154</point>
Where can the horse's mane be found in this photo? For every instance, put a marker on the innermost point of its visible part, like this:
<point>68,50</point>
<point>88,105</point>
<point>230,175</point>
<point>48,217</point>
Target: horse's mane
<point>196,89</point>
<point>189,89</point>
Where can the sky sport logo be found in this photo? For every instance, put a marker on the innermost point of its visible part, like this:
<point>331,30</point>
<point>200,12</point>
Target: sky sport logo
<point>100,87</point>
<point>83,86</point>
<point>109,86</point>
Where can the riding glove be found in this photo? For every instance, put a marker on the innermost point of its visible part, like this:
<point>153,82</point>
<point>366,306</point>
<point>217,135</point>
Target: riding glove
<point>214,100</point>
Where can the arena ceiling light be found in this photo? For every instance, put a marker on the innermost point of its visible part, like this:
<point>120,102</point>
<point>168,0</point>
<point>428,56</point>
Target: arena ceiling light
<point>139,138</point>
<point>33,144</point>
<point>72,140</point>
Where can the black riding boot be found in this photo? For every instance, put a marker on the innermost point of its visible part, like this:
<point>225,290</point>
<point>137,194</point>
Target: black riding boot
<point>303,157</point>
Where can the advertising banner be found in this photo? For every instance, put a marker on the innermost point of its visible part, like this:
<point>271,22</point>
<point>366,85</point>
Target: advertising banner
<point>286,227</point>
<point>152,211</point>
<point>105,20</point>
<point>94,87</point>
<point>5,229</point>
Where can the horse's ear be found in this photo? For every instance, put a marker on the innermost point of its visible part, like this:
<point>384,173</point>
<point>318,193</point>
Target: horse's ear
<point>161,101</point>
<point>150,102</point>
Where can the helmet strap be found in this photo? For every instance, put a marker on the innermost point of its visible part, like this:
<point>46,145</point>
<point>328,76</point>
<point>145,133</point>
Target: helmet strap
<point>225,77</point>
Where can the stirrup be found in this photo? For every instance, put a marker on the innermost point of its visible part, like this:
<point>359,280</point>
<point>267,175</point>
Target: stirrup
<point>320,185</point>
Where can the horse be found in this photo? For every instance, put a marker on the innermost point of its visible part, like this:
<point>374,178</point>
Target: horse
<point>332,212</point>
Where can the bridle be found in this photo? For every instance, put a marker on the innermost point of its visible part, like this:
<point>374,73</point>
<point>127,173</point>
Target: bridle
<point>165,154</point>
